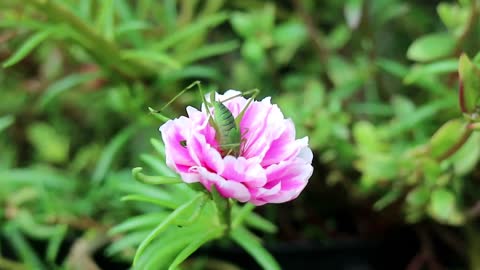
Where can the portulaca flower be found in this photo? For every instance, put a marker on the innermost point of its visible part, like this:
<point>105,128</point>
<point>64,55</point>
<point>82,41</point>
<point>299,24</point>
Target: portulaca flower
<point>272,166</point>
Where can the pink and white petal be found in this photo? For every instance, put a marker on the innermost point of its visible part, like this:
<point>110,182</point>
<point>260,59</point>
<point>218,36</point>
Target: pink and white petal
<point>292,176</point>
<point>284,147</point>
<point>226,188</point>
<point>249,172</point>
<point>201,125</point>
<point>261,124</point>
<point>282,196</point>
<point>190,177</point>
<point>174,132</point>
<point>305,152</point>
<point>259,194</point>
<point>204,154</point>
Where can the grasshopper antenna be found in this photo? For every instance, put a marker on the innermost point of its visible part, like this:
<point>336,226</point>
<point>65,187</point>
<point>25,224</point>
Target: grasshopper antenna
<point>181,93</point>
<point>159,115</point>
<point>254,93</point>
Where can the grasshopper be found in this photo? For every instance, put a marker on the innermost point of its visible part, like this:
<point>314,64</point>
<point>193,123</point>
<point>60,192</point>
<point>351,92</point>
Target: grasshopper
<point>227,128</point>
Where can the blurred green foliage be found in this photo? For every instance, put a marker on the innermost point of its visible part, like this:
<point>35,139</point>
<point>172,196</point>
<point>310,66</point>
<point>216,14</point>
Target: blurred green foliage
<point>373,84</point>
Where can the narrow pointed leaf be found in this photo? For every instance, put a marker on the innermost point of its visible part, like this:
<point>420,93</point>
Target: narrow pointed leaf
<point>166,222</point>
<point>248,241</point>
<point>158,201</point>
<point>154,180</point>
<point>110,152</point>
<point>28,46</point>
<point>194,245</point>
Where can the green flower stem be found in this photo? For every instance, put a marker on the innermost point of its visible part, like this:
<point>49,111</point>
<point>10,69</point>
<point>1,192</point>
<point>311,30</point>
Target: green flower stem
<point>99,47</point>
<point>224,207</point>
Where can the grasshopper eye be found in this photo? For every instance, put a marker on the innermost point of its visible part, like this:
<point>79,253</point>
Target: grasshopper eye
<point>183,143</point>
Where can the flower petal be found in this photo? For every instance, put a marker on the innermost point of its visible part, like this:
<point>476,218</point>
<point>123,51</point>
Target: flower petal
<point>226,188</point>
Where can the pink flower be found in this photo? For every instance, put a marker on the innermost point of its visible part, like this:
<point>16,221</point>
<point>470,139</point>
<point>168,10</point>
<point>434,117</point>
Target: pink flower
<point>272,167</point>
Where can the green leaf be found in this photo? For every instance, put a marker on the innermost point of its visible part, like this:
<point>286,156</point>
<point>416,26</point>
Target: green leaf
<point>465,159</point>
<point>20,245</point>
<point>159,147</point>
<point>145,221</point>
<point>254,24</point>
<point>470,84</point>
<point>6,121</point>
<point>31,43</point>
<point>163,202</point>
<point>431,47</point>
<point>223,206</point>
<point>445,137</point>
<point>194,72</point>
<point>187,207</point>
<point>248,241</point>
<point>109,153</point>
<point>154,180</point>
<point>419,72</point>
<point>453,16</point>
<point>288,33</point>
<point>55,241</point>
<point>152,57</point>
<point>418,196</point>
<point>339,36</point>
<point>25,221</point>
<point>387,199</point>
<point>443,207</point>
<point>416,118</point>
<point>192,29</point>
<point>106,18</point>
<point>366,136</point>
<point>132,26</point>
<point>161,253</point>
<point>392,67</point>
<point>258,222</point>
<point>195,244</point>
<point>253,51</point>
<point>33,176</point>
<point>239,215</point>
<point>128,241</point>
<point>48,142</point>
<point>209,50</point>
<point>157,165</point>
<point>124,184</point>
<point>63,85</point>
<point>243,24</point>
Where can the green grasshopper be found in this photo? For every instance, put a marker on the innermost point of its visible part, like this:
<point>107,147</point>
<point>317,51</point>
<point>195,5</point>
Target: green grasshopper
<point>227,128</point>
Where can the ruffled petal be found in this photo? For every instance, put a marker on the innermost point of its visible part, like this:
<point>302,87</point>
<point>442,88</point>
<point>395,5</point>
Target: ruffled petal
<point>284,147</point>
<point>226,188</point>
<point>249,172</point>
<point>287,179</point>
<point>174,134</point>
